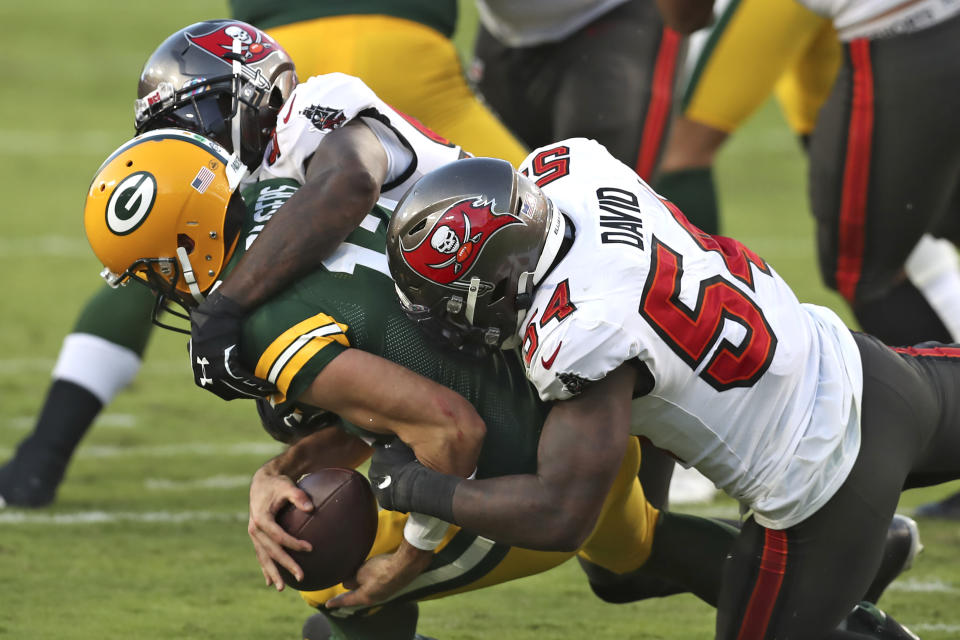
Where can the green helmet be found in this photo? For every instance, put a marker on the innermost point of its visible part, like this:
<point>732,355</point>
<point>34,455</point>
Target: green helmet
<point>465,245</point>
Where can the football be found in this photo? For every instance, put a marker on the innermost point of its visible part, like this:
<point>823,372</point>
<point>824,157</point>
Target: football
<point>341,528</point>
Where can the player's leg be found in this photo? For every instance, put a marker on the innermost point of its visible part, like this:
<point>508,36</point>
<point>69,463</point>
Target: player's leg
<point>617,85</point>
<point>751,45</point>
<point>411,66</point>
<point>884,165</point>
<point>774,583</point>
<point>98,358</point>
<point>518,83</point>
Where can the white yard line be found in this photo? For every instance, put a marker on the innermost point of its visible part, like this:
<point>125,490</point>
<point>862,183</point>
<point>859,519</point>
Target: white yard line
<point>99,517</point>
<point>935,626</point>
<point>260,448</point>
<point>911,585</point>
<point>104,421</point>
<point>213,482</point>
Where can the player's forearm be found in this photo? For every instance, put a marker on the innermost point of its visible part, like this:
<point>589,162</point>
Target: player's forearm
<point>442,428</point>
<point>306,230</point>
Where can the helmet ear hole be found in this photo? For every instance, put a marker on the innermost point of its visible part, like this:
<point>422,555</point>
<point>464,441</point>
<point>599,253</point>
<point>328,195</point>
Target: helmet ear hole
<point>419,227</point>
<point>276,98</point>
<point>185,241</point>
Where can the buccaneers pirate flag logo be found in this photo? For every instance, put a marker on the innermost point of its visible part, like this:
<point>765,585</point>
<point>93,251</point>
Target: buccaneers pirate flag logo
<point>253,46</point>
<point>456,240</point>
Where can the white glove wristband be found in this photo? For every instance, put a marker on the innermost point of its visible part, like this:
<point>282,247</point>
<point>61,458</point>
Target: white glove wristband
<point>424,532</point>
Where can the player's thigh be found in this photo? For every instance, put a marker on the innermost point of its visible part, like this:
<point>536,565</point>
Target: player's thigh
<point>751,45</point>
<point>885,156</point>
<point>785,584</point>
<point>616,83</point>
<point>623,536</point>
<point>410,66</point>
<point>519,84</point>
<point>804,87</point>
<point>462,562</point>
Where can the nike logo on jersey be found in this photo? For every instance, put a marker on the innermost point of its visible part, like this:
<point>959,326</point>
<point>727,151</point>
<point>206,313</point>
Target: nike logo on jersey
<point>383,484</point>
<point>549,361</point>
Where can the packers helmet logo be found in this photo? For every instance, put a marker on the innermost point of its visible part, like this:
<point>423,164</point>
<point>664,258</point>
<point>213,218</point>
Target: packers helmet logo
<point>131,202</point>
<point>454,243</point>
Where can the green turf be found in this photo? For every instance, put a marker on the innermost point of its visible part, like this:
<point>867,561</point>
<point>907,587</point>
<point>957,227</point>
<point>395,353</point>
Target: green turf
<point>166,449</point>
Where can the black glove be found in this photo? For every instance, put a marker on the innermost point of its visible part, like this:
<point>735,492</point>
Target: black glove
<point>401,483</point>
<point>214,333</point>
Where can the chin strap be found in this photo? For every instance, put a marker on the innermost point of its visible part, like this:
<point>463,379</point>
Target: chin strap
<point>188,276</point>
<point>235,123</point>
<point>472,292</point>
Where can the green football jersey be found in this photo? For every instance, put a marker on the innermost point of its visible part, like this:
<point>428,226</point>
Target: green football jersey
<point>351,303</point>
<point>438,14</point>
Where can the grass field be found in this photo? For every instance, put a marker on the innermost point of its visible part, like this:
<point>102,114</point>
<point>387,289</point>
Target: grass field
<point>147,539</point>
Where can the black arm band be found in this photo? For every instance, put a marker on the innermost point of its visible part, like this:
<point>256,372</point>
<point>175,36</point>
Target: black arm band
<point>426,491</point>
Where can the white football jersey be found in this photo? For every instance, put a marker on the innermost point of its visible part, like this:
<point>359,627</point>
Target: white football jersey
<point>327,102</point>
<point>759,392</point>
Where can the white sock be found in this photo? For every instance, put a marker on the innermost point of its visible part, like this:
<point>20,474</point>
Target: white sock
<point>934,268</point>
<point>98,365</point>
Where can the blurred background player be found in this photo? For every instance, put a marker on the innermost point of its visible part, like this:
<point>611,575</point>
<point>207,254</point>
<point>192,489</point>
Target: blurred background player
<point>103,352</point>
<point>604,69</point>
<point>885,170</point>
<point>796,53</point>
<point>787,49</point>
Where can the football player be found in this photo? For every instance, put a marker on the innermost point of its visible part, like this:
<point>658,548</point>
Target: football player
<point>614,297</point>
<point>176,221</point>
<point>338,339</point>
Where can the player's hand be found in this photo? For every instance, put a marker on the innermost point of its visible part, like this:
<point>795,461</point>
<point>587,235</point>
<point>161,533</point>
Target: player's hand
<point>269,492</point>
<point>214,334</point>
<point>382,576</point>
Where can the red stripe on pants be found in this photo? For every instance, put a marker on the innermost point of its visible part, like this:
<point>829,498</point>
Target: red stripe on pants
<point>661,97</point>
<point>856,173</point>
<point>930,352</point>
<point>773,565</point>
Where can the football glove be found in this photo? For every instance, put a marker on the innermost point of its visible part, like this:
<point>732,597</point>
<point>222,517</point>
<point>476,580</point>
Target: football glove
<point>214,334</point>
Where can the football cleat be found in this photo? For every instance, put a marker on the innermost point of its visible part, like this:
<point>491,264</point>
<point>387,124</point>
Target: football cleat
<point>21,485</point>
<point>870,621</point>
<point>902,546</point>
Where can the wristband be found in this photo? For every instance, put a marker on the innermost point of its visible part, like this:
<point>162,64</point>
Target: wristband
<point>425,491</point>
<point>424,532</point>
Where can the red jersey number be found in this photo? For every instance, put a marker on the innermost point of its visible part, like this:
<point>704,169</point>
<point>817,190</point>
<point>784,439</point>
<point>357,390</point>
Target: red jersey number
<point>550,165</point>
<point>692,333</point>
